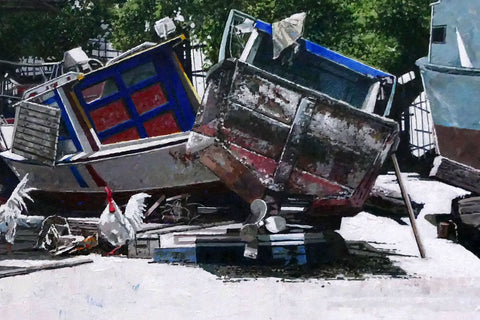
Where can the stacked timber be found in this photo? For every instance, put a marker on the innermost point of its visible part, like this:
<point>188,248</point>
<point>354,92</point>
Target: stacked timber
<point>466,215</point>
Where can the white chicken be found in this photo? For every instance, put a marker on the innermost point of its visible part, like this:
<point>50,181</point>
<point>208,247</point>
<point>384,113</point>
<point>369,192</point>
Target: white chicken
<point>11,210</point>
<point>117,227</point>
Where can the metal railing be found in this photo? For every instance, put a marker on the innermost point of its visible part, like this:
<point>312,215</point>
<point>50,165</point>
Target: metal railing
<point>421,126</point>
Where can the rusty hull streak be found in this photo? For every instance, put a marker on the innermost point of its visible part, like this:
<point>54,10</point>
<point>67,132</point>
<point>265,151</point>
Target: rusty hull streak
<point>236,176</point>
<point>459,145</point>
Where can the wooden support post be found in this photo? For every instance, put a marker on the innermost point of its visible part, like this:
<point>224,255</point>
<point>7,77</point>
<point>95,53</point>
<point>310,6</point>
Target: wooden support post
<point>409,205</point>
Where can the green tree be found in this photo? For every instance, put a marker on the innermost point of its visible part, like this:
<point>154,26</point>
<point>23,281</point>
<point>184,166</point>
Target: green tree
<point>387,34</point>
<point>133,23</point>
<point>49,34</point>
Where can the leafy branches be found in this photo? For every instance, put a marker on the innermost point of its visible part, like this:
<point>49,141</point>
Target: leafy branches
<point>49,34</point>
<point>133,23</point>
<point>387,34</point>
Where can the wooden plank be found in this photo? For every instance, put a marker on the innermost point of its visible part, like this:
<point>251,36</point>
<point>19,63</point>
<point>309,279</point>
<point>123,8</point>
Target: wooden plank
<point>155,206</point>
<point>143,247</point>
<point>32,157</point>
<point>383,202</point>
<point>259,94</point>
<point>40,108</point>
<point>37,127</point>
<point>34,152</point>
<point>83,227</point>
<point>174,228</point>
<point>469,205</point>
<point>50,135</point>
<point>233,173</point>
<point>406,198</point>
<point>12,271</point>
<point>467,210</point>
<point>175,255</point>
<point>456,174</point>
<point>49,113</point>
<point>291,148</point>
<point>49,123</point>
<point>39,111</point>
<point>288,249</point>
<point>47,266</point>
<point>22,138</point>
<point>262,135</point>
<point>34,147</point>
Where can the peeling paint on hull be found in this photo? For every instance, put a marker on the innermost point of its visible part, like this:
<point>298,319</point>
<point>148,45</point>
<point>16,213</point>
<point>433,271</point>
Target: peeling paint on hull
<point>275,136</point>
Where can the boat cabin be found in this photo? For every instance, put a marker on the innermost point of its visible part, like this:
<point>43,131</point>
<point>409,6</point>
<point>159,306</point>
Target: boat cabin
<point>75,115</point>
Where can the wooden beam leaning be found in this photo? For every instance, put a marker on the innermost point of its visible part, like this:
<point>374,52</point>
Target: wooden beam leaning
<point>403,189</point>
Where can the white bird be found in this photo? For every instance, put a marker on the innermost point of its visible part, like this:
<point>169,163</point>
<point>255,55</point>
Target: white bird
<point>11,210</point>
<point>117,227</point>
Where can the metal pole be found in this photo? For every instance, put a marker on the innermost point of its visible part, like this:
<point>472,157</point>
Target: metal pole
<point>409,206</point>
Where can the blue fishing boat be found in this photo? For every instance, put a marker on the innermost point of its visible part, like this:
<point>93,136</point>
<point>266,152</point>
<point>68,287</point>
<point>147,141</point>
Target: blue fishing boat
<point>451,77</point>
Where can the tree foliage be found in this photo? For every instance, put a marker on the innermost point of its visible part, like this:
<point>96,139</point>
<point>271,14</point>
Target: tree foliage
<point>387,34</point>
<point>133,23</point>
<point>49,34</point>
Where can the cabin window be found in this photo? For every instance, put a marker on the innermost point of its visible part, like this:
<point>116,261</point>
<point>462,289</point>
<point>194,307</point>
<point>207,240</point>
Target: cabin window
<point>110,115</point>
<point>126,135</point>
<point>439,34</point>
<point>99,90</point>
<point>162,124</point>
<point>149,98</point>
<point>139,97</point>
<point>139,73</point>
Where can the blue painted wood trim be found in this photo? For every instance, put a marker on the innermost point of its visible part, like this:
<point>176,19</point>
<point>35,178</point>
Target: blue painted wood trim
<point>66,120</point>
<point>81,182</point>
<point>329,54</point>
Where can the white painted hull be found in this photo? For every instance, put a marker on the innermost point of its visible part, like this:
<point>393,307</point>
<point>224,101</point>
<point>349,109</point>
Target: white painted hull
<point>131,171</point>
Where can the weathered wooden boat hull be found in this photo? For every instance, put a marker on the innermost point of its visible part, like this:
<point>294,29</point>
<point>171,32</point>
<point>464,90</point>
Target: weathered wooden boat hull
<point>451,78</point>
<point>272,135</point>
<point>158,167</point>
<point>457,125</point>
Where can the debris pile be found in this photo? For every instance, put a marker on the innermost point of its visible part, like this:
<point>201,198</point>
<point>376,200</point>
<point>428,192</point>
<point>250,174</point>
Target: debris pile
<point>300,137</point>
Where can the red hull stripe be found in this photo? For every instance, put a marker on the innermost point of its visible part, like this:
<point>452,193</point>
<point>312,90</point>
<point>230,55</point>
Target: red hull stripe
<point>95,176</point>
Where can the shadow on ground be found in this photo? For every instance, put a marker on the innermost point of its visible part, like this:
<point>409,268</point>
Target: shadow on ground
<point>362,261</point>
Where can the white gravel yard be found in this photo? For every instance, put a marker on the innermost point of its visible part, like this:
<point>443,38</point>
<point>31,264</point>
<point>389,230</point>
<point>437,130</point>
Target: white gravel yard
<point>445,285</point>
